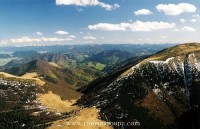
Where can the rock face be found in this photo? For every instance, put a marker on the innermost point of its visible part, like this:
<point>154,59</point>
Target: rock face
<point>48,57</point>
<point>162,91</point>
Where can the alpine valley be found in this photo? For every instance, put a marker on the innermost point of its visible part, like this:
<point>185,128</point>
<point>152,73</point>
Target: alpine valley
<point>152,86</point>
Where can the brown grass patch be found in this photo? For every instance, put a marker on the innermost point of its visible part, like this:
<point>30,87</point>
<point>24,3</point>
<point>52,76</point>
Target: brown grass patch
<point>54,64</point>
<point>178,50</point>
<point>54,103</point>
<point>158,108</point>
<point>27,76</point>
<point>30,75</point>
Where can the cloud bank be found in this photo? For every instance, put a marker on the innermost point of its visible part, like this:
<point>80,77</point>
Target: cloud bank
<point>89,38</point>
<point>32,40</point>
<point>188,28</point>
<point>135,26</point>
<point>87,3</point>
<point>173,9</point>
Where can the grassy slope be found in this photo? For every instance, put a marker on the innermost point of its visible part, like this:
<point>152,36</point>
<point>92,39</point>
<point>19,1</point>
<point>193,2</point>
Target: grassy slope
<point>54,77</point>
<point>175,51</point>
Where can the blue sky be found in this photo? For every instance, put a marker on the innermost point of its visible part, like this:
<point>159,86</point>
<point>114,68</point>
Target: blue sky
<point>49,22</point>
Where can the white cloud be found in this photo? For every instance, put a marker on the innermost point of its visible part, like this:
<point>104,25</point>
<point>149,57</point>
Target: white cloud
<point>107,27</point>
<point>43,39</point>
<point>149,26</point>
<point>87,3</point>
<point>39,33</point>
<point>116,6</point>
<point>89,38</point>
<point>164,37</point>
<point>188,28</point>
<point>25,39</point>
<point>72,36</point>
<point>60,32</point>
<point>176,29</point>
<point>182,20</point>
<point>193,20</point>
<point>143,12</point>
<point>135,26</point>
<point>172,9</point>
<point>55,39</point>
<point>3,42</point>
<point>196,18</point>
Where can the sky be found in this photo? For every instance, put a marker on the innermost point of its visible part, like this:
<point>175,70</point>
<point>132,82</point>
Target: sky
<point>60,22</point>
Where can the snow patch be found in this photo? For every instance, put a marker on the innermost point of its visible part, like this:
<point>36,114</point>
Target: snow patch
<point>169,59</point>
<point>156,91</point>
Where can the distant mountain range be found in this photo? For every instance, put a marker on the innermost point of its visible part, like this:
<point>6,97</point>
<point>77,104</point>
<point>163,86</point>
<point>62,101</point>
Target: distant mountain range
<point>91,48</point>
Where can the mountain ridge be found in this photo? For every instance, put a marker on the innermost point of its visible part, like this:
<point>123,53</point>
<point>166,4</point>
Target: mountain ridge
<point>161,88</point>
